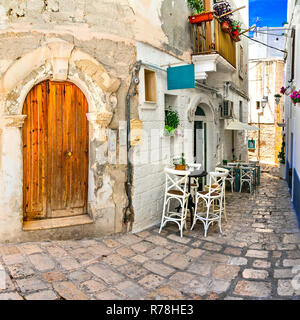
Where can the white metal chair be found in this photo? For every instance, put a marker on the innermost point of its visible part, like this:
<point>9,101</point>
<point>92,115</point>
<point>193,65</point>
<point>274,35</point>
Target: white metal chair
<point>231,176</point>
<point>176,189</point>
<point>246,176</point>
<point>207,215</point>
<point>194,181</point>
<point>217,206</point>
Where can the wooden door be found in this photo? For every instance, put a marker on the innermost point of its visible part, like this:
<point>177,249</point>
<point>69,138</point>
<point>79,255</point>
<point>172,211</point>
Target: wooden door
<point>55,151</point>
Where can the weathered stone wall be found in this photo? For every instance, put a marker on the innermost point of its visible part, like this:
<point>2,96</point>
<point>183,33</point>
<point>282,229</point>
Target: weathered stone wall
<point>81,42</point>
<point>94,44</point>
<point>266,79</point>
<point>163,24</point>
<point>265,144</point>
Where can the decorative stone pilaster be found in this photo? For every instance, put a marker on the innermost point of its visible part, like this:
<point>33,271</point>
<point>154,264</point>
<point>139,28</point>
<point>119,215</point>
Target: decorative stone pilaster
<point>100,121</point>
<point>14,121</point>
<point>11,195</point>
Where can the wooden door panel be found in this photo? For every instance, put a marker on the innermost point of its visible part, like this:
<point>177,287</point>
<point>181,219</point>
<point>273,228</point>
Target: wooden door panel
<point>79,159</point>
<point>69,161</point>
<point>35,152</point>
<point>56,152</point>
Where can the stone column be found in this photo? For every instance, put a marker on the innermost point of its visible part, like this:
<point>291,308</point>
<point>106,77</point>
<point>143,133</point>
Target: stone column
<point>11,197</point>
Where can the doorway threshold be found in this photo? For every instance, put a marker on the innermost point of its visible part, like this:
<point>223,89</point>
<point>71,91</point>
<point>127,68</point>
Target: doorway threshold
<point>57,223</point>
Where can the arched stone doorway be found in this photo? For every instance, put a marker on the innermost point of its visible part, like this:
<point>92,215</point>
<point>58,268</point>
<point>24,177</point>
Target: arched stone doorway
<point>60,61</point>
<point>204,137</point>
<point>55,151</point>
<point>200,138</point>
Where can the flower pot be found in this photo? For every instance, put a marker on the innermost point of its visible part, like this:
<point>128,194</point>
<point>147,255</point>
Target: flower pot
<point>235,37</point>
<point>282,170</point>
<point>225,27</point>
<point>180,167</point>
<point>202,17</point>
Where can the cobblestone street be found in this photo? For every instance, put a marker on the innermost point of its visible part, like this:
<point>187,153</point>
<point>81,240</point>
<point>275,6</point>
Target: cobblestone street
<point>257,257</point>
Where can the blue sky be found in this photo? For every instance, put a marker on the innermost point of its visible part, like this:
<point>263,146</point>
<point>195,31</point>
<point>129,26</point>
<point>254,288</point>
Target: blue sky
<point>271,13</point>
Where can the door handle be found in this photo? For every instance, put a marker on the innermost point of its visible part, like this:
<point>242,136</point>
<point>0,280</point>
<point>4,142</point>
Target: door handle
<point>69,153</point>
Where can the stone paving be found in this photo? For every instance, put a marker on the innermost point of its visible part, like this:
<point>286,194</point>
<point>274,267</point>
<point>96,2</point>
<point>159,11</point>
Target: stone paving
<point>256,257</point>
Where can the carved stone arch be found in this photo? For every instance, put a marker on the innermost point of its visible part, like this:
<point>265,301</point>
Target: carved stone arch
<point>59,60</point>
<point>206,102</point>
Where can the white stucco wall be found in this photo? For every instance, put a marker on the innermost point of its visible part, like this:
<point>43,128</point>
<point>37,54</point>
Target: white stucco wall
<point>158,151</point>
<point>292,113</point>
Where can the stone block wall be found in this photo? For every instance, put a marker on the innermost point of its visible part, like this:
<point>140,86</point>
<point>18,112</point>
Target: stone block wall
<point>265,144</point>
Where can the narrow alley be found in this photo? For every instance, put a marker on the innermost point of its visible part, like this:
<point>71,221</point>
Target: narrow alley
<point>256,257</point>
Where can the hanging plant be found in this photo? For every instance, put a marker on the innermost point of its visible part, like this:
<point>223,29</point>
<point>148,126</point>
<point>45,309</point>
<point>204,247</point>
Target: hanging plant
<point>235,30</point>
<point>196,5</point>
<point>236,26</point>
<point>221,8</point>
<point>295,96</point>
<point>282,90</point>
<point>199,14</point>
<point>171,122</point>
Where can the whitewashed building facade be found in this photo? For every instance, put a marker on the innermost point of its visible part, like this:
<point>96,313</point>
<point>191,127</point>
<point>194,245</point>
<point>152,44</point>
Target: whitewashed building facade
<point>292,112</point>
<point>106,52</point>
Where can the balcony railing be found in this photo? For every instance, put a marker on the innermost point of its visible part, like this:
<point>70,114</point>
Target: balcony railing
<point>209,38</point>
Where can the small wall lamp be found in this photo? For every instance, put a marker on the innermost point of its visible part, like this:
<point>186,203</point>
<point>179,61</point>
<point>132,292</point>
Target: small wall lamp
<point>277,98</point>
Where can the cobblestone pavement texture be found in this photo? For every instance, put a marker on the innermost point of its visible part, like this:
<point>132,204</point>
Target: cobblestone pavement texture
<point>256,257</point>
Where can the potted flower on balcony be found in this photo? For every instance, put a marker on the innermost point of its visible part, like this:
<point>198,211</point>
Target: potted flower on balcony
<point>171,122</point>
<point>180,163</point>
<point>235,30</point>
<point>221,8</point>
<point>295,96</point>
<point>200,15</point>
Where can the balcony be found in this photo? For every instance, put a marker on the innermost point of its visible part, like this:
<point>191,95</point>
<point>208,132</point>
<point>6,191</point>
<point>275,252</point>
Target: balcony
<point>213,49</point>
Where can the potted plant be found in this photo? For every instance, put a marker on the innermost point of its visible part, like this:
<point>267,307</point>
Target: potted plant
<point>282,90</point>
<point>180,163</point>
<point>235,30</point>
<point>295,96</point>
<point>171,122</point>
<point>199,13</point>
<point>281,157</point>
<point>277,98</point>
<point>221,8</point>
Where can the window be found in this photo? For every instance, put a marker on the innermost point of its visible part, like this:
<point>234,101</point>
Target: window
<point>227,109</point>
<point>150,86</point>
<point>241,112</point>
<point>200,112</point>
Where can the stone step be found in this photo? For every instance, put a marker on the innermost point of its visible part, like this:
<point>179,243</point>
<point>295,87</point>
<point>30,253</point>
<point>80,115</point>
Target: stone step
<point>57,223</point>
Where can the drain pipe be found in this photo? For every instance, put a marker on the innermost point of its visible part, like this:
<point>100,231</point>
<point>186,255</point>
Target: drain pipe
<point>132,91</point>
